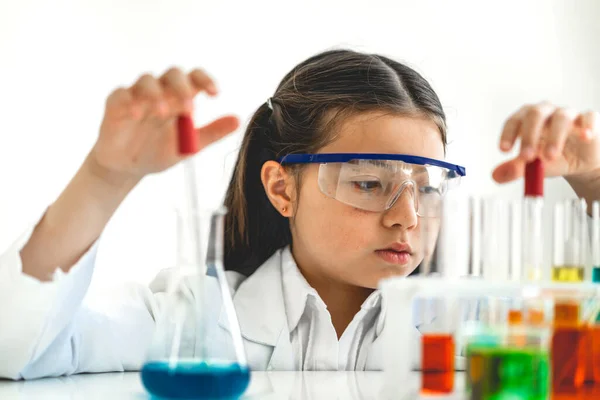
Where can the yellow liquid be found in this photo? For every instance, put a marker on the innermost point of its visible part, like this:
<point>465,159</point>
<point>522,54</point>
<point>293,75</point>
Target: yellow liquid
<point>567,274</point>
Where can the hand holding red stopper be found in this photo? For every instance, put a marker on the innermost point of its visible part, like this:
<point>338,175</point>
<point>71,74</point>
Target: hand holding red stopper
<point>187,136</point>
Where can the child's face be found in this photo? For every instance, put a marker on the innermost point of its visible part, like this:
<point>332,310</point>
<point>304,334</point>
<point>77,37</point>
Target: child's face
<point>341,242</point>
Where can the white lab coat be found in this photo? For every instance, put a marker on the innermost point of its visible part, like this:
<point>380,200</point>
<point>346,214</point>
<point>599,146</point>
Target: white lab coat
<point>45,330</point>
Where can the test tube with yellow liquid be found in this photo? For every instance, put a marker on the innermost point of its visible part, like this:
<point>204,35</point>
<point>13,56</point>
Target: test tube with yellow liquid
<point>570,235</point>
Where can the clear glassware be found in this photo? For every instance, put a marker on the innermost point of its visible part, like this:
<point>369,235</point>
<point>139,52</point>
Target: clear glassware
<point>197,349</point>
<point>570,236</point>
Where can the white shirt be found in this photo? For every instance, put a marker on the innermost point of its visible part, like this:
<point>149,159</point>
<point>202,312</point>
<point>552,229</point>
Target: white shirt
<point>308,319</point>
<point>47,330</point>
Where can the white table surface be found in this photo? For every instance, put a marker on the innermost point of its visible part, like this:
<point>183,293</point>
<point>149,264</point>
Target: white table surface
<point>264,385</point>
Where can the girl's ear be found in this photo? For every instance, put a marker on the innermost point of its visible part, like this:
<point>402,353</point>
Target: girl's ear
<point>279,187</point>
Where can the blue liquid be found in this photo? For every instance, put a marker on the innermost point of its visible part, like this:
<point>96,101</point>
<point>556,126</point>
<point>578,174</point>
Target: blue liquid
<point>596,274</point>
<point>195,380</point>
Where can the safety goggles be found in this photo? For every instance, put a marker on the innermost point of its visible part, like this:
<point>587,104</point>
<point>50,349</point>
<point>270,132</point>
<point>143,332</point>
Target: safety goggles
<point>374,182</point>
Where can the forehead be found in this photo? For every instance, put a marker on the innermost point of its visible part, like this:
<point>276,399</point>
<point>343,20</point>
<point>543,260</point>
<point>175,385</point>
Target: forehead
<point>385,133</point>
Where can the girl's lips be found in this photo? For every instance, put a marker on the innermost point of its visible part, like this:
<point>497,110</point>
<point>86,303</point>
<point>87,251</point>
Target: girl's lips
<point>393,256</point>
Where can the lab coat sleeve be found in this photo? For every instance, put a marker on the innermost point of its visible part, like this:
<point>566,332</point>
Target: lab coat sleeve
<point>45,331</point>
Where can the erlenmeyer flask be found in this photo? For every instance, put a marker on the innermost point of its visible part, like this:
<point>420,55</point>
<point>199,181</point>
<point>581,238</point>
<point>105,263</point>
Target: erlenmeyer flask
<point>197,350</point>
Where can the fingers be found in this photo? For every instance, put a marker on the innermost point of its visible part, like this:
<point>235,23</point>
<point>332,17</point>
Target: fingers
<point>169,95</point>
<point>119,104</point>
<point>511,129</point>
<point>217,129</point>
<point>561,124</point>
<point>530,131</point>
<point>202,81</point>
<point>148,93</point>
<point>509,170</point>
<point>589,123</point>
<point>543,130</point>
<point>180,90</point>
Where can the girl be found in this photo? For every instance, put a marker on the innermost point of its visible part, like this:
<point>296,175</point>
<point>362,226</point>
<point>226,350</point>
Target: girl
<point>312,226</point>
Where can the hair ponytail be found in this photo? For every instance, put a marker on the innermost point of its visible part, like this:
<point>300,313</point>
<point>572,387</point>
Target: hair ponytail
<point>254,229</point>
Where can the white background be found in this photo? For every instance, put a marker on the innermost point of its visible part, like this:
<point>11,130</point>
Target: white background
<point>60,59</point>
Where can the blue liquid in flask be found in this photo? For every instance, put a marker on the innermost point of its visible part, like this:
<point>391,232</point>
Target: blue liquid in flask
<point>195,380</point>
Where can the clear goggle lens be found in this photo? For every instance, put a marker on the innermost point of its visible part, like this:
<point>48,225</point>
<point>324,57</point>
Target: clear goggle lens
<point>376,185</point>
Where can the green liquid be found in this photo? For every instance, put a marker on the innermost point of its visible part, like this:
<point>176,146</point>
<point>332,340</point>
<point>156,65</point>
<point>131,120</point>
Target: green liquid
<point>499,373</point>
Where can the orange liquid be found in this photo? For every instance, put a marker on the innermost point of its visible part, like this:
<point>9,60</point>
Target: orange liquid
<point>584,394</point>
<point>566,314</point>
<point>593,357</point>
<point>515,317</point>
<point>437,382</point>
<point>437,363</point>
<point>568,359</point>
<point>588,368</point>
<point>568,349</point>
<point>535,317</point>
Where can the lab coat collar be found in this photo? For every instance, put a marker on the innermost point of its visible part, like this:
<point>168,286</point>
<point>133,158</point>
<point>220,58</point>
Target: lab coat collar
<point>379,301</point>
<point>376,302</point>
<point>259,304</point>
<point>296,290</point>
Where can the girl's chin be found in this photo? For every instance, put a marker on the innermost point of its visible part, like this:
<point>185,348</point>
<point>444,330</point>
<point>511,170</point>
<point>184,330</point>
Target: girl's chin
<point>390,272</point>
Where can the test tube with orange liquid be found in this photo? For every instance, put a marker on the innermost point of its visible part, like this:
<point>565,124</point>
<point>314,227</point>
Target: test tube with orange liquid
<point>437,363</point>
<point>593,355</point>
<point>568,348</point>
<point>515,317</point>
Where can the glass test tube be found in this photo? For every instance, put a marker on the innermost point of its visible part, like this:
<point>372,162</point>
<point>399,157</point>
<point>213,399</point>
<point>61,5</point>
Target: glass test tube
<point>570,235</point>
<point>495,240</point>
<point>437,351</point>
<point>499,257</point>
<point>532,211</point>
<point>532,248</point>
<point>593,355</point>
<point>596,242</point>
<point>453,243</point>
<point>568,347</point>
<point>445,239</point>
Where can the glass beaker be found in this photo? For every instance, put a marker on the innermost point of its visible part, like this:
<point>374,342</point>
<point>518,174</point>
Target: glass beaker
<point>507,362</point>
<point>197,349</point>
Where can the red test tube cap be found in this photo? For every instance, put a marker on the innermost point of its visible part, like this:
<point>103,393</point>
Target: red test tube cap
<point>186,135</point>
<point>534,178</point>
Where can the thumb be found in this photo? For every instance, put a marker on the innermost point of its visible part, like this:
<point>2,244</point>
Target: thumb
<point>216,130</point>
<point>509,171</point>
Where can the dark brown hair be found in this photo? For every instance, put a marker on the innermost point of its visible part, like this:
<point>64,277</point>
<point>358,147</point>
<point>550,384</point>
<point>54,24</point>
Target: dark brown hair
<point>308,103</point>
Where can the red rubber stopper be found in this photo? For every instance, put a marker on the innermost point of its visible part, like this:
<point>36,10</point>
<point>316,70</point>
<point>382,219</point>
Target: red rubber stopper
<point>534,178</point>
<point>186,134</point>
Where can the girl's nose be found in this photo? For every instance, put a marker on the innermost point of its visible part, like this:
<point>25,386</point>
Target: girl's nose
<point>403,211</point>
